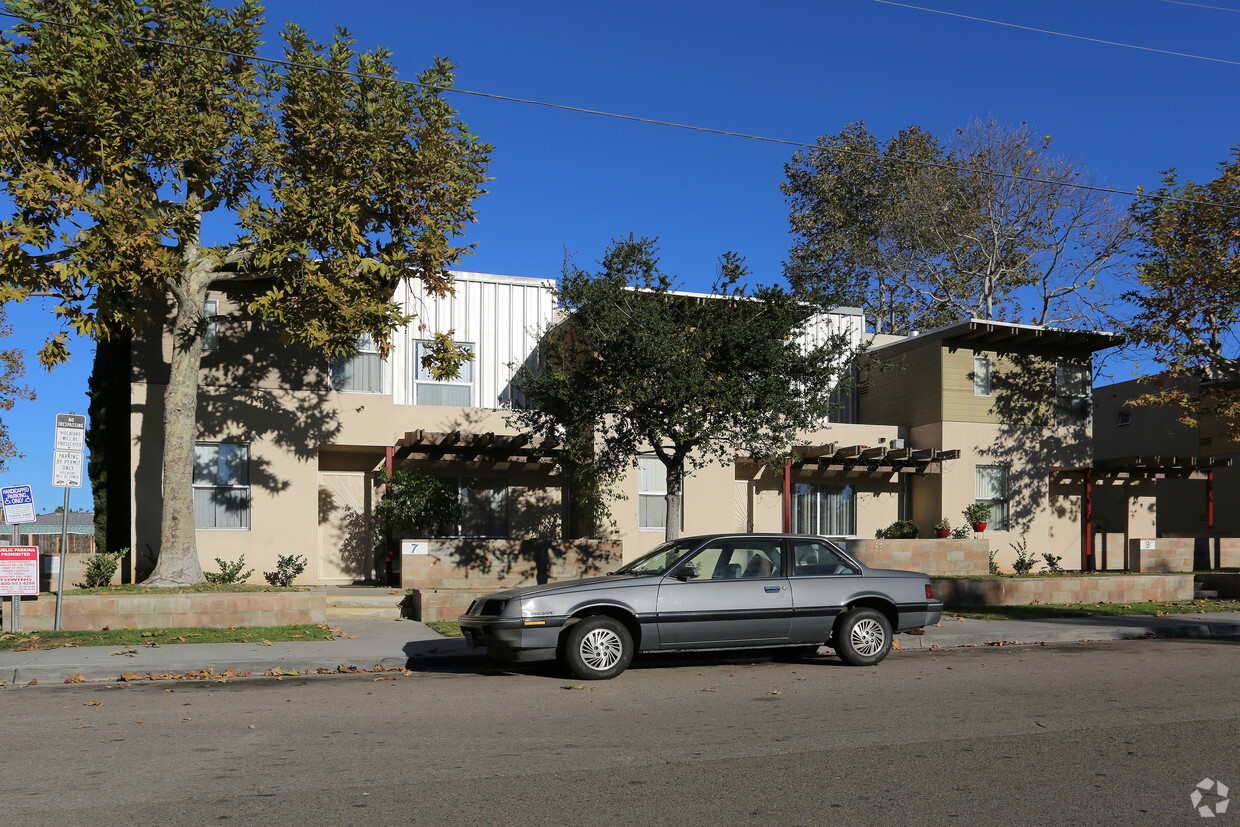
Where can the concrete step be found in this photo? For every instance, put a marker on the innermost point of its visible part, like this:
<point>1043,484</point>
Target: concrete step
<point>363,613</point>
<point>1205,594</point>
<point>354,602</point>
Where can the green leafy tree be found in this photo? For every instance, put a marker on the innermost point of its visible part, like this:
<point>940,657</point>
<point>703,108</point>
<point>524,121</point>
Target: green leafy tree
<point>990,224</point>
<point>417,504</point>
<point>638,367</point>
<point>128,124</point>
<point>12,369</point>
<point>1188,305</point>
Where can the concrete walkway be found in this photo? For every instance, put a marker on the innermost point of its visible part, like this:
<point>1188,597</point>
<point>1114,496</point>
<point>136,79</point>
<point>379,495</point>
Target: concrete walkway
<point>391,644</point>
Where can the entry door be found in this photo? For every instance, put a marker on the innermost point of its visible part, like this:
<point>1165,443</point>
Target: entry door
<point>737,596</point>
<point>346,546</point>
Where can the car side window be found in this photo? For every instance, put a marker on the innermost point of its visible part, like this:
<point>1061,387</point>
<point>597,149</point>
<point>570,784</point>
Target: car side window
<point>736,561</point>
<point>811,559</point>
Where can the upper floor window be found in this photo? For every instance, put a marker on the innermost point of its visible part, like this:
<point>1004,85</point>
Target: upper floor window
<point>210,333</point>
<point>981,375</point>
<point>221,485</point>
<point>361,371</point>
<point>1072,394</point>
<point>428,390</point>
<point>1125,417</point>
<point>652,494</point>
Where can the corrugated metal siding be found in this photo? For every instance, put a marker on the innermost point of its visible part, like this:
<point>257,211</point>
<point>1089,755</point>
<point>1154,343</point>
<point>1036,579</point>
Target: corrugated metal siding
<point>502,316</point>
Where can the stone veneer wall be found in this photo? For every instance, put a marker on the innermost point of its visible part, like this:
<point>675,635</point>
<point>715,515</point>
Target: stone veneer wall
<point>931,555</point>
<point>1168,554</point>
<point>447,579</point>
<point>1021,591</point>
<point>153,611</point>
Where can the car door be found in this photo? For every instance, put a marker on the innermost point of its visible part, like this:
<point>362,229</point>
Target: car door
<point>732,592</point>
<point>822,582</point>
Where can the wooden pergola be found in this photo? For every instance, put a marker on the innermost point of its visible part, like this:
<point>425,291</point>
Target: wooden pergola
<point>513,449</point>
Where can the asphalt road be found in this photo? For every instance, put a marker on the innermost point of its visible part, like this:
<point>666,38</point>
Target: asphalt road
<point>1103,733</point>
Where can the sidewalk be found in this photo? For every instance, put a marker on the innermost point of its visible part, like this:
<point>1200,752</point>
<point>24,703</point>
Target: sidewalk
<point>406,644</point>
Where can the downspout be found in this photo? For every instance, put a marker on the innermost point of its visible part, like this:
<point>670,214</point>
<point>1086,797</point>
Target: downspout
<point>1087,552</point>
<point>787,496</point>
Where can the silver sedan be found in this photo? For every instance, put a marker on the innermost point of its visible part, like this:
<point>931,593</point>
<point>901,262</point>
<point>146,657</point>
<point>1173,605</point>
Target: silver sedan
<point>718,591</point>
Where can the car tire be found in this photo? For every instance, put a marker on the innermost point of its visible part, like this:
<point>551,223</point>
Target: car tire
<point>597,648</point>
<point>863,637</point>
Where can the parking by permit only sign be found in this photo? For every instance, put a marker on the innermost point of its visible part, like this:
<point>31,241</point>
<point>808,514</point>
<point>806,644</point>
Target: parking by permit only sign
<point>18,504</point>
<point>19,570</point>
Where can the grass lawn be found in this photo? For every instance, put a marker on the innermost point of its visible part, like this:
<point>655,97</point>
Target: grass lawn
<point>1044,610</point>
<point>162,637</point>
<point>447,628</point>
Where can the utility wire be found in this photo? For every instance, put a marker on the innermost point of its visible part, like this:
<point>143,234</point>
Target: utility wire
<point>633,118</point>
<point>1199,5</point>
<point>1063,34</point>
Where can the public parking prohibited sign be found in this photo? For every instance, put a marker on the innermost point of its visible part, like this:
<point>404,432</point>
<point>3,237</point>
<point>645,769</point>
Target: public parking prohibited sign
<point>19,570</point>
<point>70,432</point>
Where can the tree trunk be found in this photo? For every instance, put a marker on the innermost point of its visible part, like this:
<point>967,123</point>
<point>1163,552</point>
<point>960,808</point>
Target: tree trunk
<point>673,498</point>
<point>178,563</point>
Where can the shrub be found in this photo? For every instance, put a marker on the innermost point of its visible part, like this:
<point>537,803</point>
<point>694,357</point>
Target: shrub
<point>100,569</point>
<point>943,524</point>
<point>229,572</point>
<point>902,530</point>
<point>1052,563</point>
<point>961,533</point>
<point>994,567</point>
<point>287,569</point>
<point>1025,560</point>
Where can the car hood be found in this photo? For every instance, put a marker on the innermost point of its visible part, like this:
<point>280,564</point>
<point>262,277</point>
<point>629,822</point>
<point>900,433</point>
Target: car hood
<point>584,584</point>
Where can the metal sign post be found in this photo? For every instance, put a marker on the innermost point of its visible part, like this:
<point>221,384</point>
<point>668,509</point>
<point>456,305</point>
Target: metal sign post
<point>67,464</point>
<point>18,509</point>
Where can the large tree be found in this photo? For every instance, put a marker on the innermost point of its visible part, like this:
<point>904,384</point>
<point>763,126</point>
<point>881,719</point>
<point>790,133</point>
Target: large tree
<point>127,124</point>
<point>12,369</point>
<point>1188,306</point>
<point>988,224</point>
<point>638,367</point>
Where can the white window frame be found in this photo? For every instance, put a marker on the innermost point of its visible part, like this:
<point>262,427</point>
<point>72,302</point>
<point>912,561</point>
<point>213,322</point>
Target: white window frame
<point>983,365</point>
<point>999,505</point>
<point>423,380</point>
<point>212,476</point>
<point>211,332</point>
<point>344,367</point>
<point>653,473</point>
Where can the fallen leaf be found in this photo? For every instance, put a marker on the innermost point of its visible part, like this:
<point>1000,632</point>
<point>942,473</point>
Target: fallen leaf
<point>572,686</point>
<point>265,643</point>
<point>386,678</point>
<point>775,692</point>
<point>77,678</point>
<point>93,703</point>
<point>895,644</point>
<point>84,726</point>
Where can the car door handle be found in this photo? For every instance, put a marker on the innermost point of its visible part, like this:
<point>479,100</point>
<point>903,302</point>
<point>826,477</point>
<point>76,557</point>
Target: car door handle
<point>772,588</point>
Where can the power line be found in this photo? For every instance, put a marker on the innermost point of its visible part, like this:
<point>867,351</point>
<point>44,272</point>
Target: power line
<point>633,118</point>
<point>1199,5</point>
<point>1062,34</point>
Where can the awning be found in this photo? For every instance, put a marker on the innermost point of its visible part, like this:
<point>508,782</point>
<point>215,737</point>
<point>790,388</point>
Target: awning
<point>1151,467</point>
<point>880,459</point>
<point>474,447</point>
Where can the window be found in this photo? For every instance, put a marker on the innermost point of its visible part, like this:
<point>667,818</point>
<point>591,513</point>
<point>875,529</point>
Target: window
<point>652,494</point>
<point>360,372</point>
<point>992,489</point>
<point>1072,395</point>
<point>484,508</point>
<point>221,485</point>
<point>210,333</point>
<point>1125,417</point>
<point>731,561</point>
<point>812,559</point>
<point>824,509</point>
<point>430,391</point>
<point>981,375</point>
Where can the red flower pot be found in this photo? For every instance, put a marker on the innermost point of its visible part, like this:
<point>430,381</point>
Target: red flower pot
<point>979,527</point>
<point>943,532</point>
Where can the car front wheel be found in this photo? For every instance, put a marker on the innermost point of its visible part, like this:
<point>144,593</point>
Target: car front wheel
<point>863,638</point>
<point>597,648</point>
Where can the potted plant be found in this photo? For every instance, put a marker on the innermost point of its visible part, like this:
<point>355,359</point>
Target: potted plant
<point>901,530</point>
<point>943,527</point>
<point>978,514</point>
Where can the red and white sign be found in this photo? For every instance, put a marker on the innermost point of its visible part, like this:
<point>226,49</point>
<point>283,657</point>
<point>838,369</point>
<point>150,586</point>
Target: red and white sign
<point>19,570</point>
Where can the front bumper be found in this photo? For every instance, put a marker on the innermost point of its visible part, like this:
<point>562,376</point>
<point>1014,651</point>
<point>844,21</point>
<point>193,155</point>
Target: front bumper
<point>513,639</point>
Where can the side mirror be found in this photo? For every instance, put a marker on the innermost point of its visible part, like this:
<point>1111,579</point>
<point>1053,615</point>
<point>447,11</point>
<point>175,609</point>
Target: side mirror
<point>686,574</point>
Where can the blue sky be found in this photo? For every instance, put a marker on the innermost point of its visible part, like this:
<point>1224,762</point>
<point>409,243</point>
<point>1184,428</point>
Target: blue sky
<point>787,70</point>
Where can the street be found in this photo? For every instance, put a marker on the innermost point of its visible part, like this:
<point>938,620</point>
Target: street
<point>1115,733</point>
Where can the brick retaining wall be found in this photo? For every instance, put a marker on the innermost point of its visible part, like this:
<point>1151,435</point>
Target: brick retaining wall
<point>155,611</point>
<point>931,555</point>
<point>1022,591</point>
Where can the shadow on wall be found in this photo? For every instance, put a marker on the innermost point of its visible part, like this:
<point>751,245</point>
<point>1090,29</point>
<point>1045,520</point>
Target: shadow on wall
<point>1029,405</point>
<point>540,561</point>
<point>252,388</point>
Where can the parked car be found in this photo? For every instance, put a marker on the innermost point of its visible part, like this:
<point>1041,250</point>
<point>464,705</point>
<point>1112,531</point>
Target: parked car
<point>718,591</point>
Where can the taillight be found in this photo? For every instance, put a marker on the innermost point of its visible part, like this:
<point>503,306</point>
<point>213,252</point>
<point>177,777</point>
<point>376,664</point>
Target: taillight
<point>928,594</point>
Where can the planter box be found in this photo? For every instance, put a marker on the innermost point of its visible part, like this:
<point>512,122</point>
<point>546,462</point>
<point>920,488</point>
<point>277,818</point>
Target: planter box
<point>1023,591</point>
<point>217,610</point>
<point>927,555</point>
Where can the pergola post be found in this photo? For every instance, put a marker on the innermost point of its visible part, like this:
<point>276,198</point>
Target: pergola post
<point>787,496</point>
<point>1087,546</point>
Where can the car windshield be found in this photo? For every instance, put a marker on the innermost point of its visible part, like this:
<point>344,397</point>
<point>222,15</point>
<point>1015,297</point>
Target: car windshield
<point>658,560</point>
